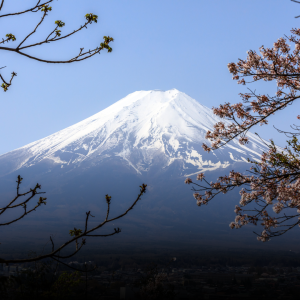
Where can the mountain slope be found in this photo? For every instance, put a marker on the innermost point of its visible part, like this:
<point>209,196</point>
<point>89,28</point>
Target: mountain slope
<point>146,129</point>
<point>151,137</point>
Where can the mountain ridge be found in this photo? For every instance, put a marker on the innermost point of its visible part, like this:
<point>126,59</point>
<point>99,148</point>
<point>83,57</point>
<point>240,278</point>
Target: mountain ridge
<point>151,137</point>
<point>142,128</point>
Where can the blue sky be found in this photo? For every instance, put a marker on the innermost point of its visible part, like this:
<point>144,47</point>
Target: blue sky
<point>159,44</point>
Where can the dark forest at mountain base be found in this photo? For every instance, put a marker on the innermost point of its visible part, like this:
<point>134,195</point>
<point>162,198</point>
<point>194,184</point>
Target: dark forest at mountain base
<point>196,273</point>
<point>112,258</point>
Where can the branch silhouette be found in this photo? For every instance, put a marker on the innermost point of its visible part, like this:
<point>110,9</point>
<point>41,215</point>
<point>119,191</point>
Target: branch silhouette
<point>76,234</point>
<point>270,189</point>
<point>55,35</point>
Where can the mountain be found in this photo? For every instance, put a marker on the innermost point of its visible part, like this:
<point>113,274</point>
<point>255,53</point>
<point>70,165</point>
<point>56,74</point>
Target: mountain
<point>153,137</point>
<point>147,130</point>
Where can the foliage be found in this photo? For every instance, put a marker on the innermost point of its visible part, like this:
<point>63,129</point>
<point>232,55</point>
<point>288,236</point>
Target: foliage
<point>41,282</point>
<point>75,232</point>
<point>155,285</point>
<point>63,287</point>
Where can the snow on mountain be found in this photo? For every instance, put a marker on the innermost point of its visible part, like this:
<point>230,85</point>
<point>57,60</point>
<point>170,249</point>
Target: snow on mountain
<point>144,129</point>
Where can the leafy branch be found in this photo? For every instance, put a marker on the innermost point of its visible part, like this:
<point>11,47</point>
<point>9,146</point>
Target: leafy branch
<point>76,233</point>
<point>53,36</point>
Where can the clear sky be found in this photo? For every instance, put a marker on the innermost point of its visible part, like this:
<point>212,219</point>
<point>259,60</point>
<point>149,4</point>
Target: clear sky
<point>159,44</point>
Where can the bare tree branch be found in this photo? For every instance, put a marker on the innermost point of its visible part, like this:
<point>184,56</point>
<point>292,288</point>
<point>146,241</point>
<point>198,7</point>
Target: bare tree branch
<point>1,5</point>
<point>37,6</point>
<point>34,30</point>
<point>77,233</point>
<point>56,36</point>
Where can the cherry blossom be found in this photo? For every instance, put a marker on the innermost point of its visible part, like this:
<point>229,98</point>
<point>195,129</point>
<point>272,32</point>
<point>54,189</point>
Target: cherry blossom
<point>188,181</point>
<point>270,190</point>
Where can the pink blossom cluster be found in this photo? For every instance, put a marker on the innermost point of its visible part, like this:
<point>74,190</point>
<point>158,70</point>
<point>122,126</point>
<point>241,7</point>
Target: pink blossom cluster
<point>271,186</point>
<point>200,176</point>
<point>278,63</point>
<point>188,180</point>
<point>264,237</point>
<point>272,182</point>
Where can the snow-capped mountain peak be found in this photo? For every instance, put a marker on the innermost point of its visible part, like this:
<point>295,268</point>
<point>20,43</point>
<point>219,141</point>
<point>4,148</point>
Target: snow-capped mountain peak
<point>145,129</point>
